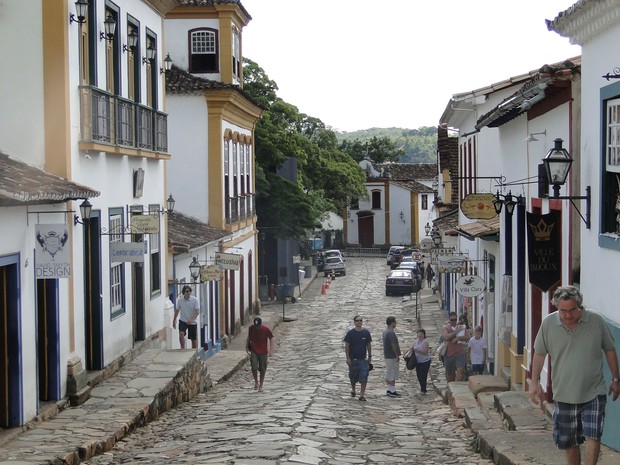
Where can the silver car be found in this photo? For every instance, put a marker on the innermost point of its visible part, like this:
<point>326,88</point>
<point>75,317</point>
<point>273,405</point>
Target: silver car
<point>334,265</point>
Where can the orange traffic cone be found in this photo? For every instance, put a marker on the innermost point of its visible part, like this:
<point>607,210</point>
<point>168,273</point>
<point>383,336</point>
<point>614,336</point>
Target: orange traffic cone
<point>323,289</point>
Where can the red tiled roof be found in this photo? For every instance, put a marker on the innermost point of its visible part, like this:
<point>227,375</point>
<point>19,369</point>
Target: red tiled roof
<point>23,184</point>
<point>186,233</point>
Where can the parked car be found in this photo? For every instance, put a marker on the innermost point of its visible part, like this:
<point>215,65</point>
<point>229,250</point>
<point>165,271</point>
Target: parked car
<point>398,255</point>
<point>391,252</point>
<point>414,268</point>
<point>334,265</point>
<point>399,282</point>
<point>333,253</point>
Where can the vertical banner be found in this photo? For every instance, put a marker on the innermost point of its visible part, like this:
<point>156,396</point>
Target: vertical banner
<point>52,251</point>
<point>544,253</point>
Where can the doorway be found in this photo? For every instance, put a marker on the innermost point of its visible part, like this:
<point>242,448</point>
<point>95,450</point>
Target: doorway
<point>366,227</point>
<point>48,343</point>
<point>93,305</point>
<point>11,394</point>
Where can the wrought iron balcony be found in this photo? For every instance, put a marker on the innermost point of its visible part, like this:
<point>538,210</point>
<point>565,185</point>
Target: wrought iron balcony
<point>110,119</point>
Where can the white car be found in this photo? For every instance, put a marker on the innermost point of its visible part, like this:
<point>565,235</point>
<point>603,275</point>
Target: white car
<point>334,265</point>
<point>333,253</point>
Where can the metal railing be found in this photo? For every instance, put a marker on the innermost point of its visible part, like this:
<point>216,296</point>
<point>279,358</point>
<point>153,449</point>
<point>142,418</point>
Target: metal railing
<point>363,252</point>
<point>115,120</point>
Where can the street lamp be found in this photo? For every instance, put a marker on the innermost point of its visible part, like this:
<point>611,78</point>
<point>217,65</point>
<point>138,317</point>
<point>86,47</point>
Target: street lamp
<point>557,164</point>
<point>194,269</point>
<point>509,201</point>
<point>85,210</point>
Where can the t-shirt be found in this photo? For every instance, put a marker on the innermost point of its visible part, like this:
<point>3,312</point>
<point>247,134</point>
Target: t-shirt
<point>576,356</point>
<point>455,348</point>
<point>187,308</point>
<point>477,347</point>
<point>389,340</point>
<point>421,358</point>
<point>357,341</point>
<point>259,336</point>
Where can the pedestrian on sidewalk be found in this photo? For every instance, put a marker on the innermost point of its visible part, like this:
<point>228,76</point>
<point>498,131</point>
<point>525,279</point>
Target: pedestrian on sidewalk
<point>357,344</point>
<point>187,310</point>
<point>430,274</point>
<point>422,352</point>
<point>259,345</point>
<point>456,336</point>
<point>477,351</point>
<point>391,355</point>
<point>575,339</point>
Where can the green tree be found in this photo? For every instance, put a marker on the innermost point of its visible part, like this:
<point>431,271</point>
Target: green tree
<point>326,176</point>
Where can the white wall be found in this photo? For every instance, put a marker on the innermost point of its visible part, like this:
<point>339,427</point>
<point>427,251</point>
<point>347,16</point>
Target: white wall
<point>598,279</point>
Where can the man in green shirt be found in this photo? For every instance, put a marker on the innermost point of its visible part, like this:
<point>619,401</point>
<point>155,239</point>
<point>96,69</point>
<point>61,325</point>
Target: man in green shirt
<point>576,340</point>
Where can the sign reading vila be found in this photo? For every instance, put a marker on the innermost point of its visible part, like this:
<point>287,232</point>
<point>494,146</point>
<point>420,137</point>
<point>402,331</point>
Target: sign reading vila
<point>470,286</point>
<point>144,224</point>
<point>126,252</point>
<point>543,237</point>
<point>52,251</point>
<point>227,261</point>
<point>478,206</point>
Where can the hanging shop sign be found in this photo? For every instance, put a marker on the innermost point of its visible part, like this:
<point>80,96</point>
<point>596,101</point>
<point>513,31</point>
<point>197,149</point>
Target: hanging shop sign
<point>478,206</point>
<point>228,261</point>
<point>451,264</point>
<point>210,273</point>
<point>470,286</point>
<point>126,252</point>
<point>544,254</point>
<point>144,224</point>
<point>52,251</point>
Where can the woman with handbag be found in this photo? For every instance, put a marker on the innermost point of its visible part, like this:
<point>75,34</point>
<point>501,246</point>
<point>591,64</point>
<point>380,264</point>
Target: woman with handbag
<point>421,350</point>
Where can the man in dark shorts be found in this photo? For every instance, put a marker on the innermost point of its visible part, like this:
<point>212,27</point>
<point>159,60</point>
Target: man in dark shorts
<point>189,309</point>
<point>576,340</point>
<point>357,343</point>
<point>259,345</point>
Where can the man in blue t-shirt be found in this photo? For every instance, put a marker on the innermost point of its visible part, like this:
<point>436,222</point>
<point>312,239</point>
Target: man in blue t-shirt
<point>357,343</point>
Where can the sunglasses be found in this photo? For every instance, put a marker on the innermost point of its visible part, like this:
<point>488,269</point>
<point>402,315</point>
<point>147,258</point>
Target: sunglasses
<point>358,321</point>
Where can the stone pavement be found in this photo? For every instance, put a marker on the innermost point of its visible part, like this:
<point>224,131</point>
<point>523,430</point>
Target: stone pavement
<point>508,428</point>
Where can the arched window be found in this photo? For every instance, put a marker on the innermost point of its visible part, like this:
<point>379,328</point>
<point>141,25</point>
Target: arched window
<point>203,47</point>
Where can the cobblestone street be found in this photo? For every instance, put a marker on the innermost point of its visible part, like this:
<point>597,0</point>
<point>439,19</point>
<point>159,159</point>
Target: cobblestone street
<point>306,413</point>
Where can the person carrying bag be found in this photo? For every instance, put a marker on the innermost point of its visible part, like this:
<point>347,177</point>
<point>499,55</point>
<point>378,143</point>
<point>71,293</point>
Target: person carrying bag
<point>421,354</point>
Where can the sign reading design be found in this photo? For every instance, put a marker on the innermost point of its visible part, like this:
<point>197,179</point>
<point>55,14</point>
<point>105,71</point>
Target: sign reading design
<point>52,251</point>
<point>544,254</point>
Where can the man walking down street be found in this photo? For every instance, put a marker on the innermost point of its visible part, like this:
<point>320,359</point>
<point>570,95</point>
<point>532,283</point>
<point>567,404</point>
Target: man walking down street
<point>391,354</point>
<point>259,345</point>
<point>357,344</point>
<point>189,309</point>
<point>576,340</point>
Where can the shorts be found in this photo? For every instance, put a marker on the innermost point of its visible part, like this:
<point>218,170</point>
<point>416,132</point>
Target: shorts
<point>259,362</point>
<point>358,371</point>
<point>190,330</point>
<point>453,362</point>
<point>477,368</point>
<point>391,369</point>
<point>574,423</point>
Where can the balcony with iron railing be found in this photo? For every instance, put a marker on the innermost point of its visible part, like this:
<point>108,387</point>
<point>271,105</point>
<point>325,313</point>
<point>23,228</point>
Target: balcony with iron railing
<point>240,208</point>
<point>112,120</point>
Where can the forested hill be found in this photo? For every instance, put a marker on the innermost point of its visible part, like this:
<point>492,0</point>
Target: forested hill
<point>419,145</point>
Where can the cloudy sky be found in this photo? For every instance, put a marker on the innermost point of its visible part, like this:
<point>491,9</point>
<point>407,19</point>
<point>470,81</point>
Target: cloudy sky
<point>357,64</point>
